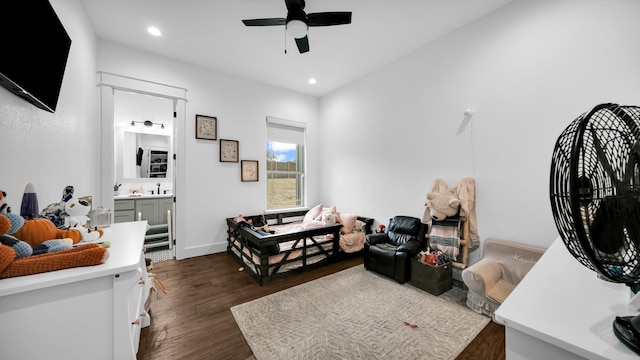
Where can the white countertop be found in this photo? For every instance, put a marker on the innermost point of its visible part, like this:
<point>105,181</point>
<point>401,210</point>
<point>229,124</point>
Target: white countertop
<point>126,240</point>
<point>563,303</point>
<point>145,196</point>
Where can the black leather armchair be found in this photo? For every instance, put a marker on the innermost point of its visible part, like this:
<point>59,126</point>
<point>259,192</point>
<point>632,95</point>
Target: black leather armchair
<point>390,253</point>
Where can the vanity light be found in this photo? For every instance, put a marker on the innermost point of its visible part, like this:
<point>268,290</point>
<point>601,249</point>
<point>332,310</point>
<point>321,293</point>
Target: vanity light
<point>147,123</point>
<point>312,81</point>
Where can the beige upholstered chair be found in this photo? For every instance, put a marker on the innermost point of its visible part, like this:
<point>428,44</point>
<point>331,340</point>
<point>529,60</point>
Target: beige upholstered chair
<point>503,265</point>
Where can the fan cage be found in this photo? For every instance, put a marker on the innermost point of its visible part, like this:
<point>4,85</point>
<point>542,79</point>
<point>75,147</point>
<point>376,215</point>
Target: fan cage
<point>595,190</point>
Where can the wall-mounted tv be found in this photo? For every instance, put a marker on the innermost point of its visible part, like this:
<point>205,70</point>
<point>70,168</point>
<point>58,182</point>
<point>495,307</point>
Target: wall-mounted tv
<point>34,47</point>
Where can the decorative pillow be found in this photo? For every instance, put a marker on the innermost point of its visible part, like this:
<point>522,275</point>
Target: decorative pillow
<point>348,222</point>
<point>312,214</point>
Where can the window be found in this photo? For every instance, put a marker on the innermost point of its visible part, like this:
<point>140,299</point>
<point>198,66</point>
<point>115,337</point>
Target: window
<point>285,163</point>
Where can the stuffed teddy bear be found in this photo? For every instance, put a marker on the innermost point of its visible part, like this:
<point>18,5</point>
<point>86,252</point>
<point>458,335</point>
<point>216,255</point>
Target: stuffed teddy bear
<point>442,205</point>
<point>441,202</point>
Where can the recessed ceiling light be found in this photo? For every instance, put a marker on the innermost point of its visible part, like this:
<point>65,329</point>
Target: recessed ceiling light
<point>312,81</point>
<point>154,31</point>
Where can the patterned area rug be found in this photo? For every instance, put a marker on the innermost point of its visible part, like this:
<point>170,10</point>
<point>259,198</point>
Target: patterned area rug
<point>357,314</point>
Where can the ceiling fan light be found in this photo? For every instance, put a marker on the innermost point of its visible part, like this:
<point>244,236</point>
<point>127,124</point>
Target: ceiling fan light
<point>297,28</point>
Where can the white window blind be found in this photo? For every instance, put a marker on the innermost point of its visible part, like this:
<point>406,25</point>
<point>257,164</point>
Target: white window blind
<point>285,131</point>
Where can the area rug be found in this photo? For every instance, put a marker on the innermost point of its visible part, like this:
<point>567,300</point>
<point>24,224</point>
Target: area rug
<point>356,314</point>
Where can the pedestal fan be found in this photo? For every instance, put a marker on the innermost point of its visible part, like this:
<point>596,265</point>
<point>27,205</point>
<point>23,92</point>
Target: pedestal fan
<point>595,199</point>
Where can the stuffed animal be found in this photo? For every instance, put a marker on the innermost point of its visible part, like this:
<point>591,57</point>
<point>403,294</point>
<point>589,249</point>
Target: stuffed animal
<point>442,205</point>
<point>56,211</point>
<point>23,249</point>
<point>77,211</point>
<point>35,231</point>
<point>77,218</point>
<point>328,218</point>
<point>19,258</point>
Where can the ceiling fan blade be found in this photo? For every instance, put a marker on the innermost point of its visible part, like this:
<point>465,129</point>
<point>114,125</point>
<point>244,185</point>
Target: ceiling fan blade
<point>265,22</point>
<point>329,18</point>
<point>303,44</point>
<point>295,5</point>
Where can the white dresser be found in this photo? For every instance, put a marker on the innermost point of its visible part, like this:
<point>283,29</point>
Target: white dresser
<point>560,310</point>
<point>93,312</point>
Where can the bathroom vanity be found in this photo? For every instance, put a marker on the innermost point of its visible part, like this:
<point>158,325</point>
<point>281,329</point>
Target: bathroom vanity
<point>157,210</point>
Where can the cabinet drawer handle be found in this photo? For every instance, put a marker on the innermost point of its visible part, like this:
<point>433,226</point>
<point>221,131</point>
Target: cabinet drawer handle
<point>141,282</point>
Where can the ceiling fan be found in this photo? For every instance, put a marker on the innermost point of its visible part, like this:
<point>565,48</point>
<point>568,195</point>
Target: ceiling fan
<point>298,22</point>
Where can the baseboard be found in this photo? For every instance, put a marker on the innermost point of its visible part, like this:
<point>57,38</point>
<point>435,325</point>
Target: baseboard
<point>201,250</point>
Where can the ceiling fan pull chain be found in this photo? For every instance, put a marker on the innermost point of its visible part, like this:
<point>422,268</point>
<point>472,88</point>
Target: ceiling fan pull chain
<point>285,41</point>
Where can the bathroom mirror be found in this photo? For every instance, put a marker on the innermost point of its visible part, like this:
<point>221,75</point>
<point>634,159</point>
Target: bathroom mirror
<point>142,155</point>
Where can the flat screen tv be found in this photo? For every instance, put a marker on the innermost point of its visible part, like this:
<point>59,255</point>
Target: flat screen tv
<point>34,49</point>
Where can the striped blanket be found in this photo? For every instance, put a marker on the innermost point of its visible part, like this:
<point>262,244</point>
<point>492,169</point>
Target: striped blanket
<point>445,236</point>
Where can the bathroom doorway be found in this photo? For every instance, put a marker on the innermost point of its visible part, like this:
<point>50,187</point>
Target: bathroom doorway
<point>144,166</point>
<point>140,125</point>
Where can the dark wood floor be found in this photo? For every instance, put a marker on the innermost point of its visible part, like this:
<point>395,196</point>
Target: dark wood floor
<point>193,320</point>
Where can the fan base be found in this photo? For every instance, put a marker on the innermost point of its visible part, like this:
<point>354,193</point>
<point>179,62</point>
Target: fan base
<point>626,333</point>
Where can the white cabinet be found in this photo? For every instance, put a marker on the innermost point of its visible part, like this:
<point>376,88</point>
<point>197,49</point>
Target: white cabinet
<point>79,313</point>
<point>562,310</point>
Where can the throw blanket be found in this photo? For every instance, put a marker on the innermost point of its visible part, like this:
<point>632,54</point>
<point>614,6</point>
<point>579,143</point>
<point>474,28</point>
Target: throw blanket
<point>465,190</point>
<point>445,236</point>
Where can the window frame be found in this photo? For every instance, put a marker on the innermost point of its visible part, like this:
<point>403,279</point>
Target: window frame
<point>298,131</point>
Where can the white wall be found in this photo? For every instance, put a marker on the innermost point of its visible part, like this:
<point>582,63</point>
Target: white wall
<point>213,190</point>
<point>55,150</point>
<point>527,70</point>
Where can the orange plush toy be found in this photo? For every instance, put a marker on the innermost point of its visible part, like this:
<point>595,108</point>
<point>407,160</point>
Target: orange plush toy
<point>39,232</point>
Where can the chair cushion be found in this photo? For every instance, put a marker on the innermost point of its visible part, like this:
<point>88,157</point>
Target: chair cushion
<point>402,229</point>
<point>500,290</point>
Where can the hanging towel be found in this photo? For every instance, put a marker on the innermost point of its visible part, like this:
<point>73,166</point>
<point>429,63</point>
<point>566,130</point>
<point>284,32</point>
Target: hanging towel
<point>465,190</point>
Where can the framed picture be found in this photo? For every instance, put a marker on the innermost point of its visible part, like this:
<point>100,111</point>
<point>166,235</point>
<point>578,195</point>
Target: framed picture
<point>228,150</point>
<point>249,170</point>
<point>206,127</point>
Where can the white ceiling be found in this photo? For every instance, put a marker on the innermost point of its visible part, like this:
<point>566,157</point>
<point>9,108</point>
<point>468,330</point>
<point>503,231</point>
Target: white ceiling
<point>211,34</point>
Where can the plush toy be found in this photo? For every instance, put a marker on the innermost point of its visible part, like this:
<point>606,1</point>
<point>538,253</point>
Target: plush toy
<point>441,202</point>
<point>19,258</point>
<point>328,218</point>
<point>38,230</point>
<point>77,218</point>
<point>442,205</point>
<point>77,211</point>
<point>23,249</point>
<point>56,211</point>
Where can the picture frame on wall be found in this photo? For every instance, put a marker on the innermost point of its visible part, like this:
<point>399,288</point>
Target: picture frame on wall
<point>206,127</point>
<point>249,170</point>
<point>229,150</point>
